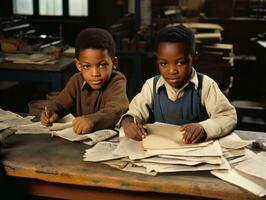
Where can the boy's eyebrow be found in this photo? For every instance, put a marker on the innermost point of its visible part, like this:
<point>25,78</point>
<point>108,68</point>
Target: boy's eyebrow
<point>176,59</point>
<point>101,61</point>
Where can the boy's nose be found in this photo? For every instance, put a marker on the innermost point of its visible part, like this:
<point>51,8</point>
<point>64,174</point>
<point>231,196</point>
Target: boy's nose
<point>95,71</point>
<point>173,68</point>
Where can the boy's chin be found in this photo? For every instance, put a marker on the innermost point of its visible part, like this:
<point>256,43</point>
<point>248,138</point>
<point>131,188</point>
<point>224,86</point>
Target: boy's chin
<point>96,87</point>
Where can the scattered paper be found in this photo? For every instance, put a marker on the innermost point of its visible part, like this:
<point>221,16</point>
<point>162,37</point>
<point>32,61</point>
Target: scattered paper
<point>102,151</point>
<point>233,141</point>
<point>255,166</point>
<point>90,138</point>
<point>250,183</point>
<point>159,167</point>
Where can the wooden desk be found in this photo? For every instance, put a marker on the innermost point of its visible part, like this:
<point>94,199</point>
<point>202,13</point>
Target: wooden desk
<point>53,167</point>
<point>53,74</point>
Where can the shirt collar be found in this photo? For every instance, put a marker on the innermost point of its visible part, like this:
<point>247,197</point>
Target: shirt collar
<point>84,85</point>
<point>193,79</point>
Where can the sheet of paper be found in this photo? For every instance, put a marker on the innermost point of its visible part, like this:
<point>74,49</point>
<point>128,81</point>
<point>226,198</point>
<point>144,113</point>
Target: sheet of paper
<point>250,183</point>
<point>161,142</point>
<point>63,123</point>
<point>255,166</point>
<point>69,134</point>
<point>233,141</point>
<point>169,161</point>
<point>3,126</point>
<point>201,159</point>
<point>235,160</point>
<point>98,136</point>
<point>8,115</point>
<point>131,148</point>
<point>17,122</point>
<point>158,167</point>
<point>231,153</point>
<point>33,128</point>
<point>100,152</point>
<point>213,149</point>
<point>166,136</point>
<point>137,169</point>
<point>169,131</point>
<point>89,139</point>
<point>57,126</point>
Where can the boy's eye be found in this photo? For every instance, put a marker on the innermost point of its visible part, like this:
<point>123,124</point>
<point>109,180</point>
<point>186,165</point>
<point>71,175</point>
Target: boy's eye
<point>181,62</point>
<point>103,65</point>
<point>86,66</point>
<point>163,64</point>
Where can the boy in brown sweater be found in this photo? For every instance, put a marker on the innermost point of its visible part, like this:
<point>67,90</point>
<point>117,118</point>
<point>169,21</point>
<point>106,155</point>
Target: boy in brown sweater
<point>96,95</point>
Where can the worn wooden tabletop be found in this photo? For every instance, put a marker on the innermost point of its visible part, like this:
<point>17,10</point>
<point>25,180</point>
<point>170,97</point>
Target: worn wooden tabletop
<point>56,160</point>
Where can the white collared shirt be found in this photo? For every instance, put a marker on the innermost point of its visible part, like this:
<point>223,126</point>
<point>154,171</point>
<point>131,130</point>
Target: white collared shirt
<point>222,115</point>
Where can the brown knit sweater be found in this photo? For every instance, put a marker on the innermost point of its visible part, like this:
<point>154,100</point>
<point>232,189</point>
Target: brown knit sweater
<point>103,107</point>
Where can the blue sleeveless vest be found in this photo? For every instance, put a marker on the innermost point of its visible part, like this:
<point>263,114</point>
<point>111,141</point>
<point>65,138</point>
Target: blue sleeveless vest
<point>186,109</point>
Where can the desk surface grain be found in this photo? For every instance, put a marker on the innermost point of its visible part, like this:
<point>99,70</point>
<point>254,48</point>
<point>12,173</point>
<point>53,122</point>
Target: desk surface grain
<point>56,160</point>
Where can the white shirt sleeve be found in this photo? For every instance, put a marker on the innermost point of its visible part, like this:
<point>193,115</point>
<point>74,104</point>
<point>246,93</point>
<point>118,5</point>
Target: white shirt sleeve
<point>222,114</point>
<point>142,103</point>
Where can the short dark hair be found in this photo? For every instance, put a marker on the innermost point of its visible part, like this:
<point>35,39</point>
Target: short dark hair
<point>95,38</point>
<point>178,34</point>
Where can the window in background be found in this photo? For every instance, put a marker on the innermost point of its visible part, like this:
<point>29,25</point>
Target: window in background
<point>51,7</point>
<point>23,7</point>
<point>78,7</point>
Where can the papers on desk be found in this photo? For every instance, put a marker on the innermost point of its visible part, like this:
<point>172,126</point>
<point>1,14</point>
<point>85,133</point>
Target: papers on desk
<point>248,168</point>
<point>227,158</point>
<point>89,139</point>
<point>63,128</point>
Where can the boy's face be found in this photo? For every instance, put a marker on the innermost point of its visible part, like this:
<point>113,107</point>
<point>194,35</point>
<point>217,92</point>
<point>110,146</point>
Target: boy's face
<point>96,66</point>
<point>174,63</point>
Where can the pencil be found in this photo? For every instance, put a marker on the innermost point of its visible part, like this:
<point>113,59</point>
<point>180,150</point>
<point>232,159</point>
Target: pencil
<point>46,110</point>
<point>46,113</point>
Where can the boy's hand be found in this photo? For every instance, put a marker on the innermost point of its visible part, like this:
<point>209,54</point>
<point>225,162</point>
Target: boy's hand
<point>48,117</point>
<point>194,133</point>
<point>132,130</point>
<point>82,125</point>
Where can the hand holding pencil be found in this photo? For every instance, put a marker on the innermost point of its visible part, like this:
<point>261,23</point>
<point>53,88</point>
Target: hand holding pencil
<point>48,117</point>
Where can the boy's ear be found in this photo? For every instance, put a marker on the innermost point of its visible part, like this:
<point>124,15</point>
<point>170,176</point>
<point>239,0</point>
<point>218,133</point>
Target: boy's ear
<point>78,65</point>
<point>115,62</point>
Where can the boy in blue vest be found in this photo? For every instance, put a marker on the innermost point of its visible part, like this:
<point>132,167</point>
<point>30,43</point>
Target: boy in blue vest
<point>180,95</point>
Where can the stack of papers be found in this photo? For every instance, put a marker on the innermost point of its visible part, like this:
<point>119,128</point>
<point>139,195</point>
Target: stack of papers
<point>162,151</point>
<point>227,158</point>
